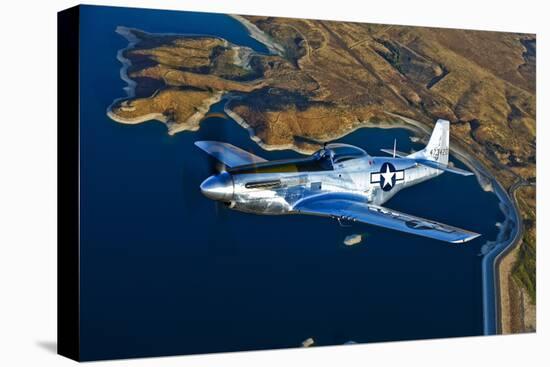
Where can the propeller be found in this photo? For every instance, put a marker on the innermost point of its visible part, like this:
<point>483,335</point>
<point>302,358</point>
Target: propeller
<point>215,166</point>
<point>213,127</point>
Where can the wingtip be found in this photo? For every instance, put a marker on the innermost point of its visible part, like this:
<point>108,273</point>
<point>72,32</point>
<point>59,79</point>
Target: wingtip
<point>467,238</point>
<point>463,172</point>
<point>202,143</point>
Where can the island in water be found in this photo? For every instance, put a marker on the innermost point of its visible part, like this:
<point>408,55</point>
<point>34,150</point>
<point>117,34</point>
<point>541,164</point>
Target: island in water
<point>323,79</point>
<point>353,239</point>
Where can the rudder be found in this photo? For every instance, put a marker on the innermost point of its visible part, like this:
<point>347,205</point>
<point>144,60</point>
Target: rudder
<point>437,148</point>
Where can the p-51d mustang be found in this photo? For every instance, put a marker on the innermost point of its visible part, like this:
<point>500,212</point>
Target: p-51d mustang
<point>339,181</point>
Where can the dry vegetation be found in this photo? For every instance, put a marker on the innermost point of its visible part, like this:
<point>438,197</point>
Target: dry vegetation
<point>524,270</point>
<point>334,75</point>
<point>518,272</point>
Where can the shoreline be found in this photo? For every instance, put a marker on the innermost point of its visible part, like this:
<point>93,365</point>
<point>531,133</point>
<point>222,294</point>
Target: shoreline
<point>503,256</point>
<point>290,146</point>
<point>491,259</point>
<point>507,238</point>
<point>498,248</point>
<point>191,124</point>
<point>259,35</point>
<point>130,84</point>
<point>509,235</point>
<point>506,291</point>
<point>509,230</point>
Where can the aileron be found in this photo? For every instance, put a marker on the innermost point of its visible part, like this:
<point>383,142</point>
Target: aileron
<point>347,207</point>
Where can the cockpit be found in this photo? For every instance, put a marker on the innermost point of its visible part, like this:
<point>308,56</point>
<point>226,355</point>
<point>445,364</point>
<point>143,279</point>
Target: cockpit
<point>322,160</point>
<point>339,153</point>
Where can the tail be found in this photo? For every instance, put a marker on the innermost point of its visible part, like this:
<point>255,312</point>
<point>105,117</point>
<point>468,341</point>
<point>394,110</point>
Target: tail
<point>436,153</point>
<point>438,147</point>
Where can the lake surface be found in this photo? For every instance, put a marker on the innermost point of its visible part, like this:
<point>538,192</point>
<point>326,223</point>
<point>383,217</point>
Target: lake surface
<point>166,271</point>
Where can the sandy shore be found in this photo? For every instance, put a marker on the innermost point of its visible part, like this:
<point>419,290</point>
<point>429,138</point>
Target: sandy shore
<point>239,120</point>
<point>413,126</point>
<point>518,314</point>
<point>260,35</point>
<point>191,124</point>
<point>136,120</point>
<point>130,84</point>
<point>512,298</point>
<point>508,323</point>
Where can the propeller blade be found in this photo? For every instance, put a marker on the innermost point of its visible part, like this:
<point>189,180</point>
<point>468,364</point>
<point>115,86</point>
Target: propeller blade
<point>213,127</point>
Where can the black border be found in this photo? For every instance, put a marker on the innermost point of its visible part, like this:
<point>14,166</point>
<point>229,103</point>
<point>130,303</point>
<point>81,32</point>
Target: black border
<point>68,284</point>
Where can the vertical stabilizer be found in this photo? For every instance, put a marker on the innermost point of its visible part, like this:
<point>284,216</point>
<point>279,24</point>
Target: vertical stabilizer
<point>436,153</point>
<point>438,147</point>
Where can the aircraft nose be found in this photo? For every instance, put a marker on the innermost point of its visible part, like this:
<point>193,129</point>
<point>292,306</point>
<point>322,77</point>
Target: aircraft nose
<point>218,187</point>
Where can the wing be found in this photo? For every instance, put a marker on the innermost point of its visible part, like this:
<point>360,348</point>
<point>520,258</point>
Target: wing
<point>348,207</point>
<point>228,154</point>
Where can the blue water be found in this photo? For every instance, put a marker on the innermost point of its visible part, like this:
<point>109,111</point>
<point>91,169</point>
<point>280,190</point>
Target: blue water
<point>166,271</point>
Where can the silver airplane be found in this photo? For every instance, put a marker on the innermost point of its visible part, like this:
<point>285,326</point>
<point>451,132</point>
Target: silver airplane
<point>339,181</point>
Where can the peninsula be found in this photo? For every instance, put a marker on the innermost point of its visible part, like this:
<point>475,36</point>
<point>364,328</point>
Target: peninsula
<point>323,79</point>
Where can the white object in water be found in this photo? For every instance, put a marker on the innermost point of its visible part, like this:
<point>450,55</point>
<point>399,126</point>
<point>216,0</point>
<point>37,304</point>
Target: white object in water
<point>353,239</point>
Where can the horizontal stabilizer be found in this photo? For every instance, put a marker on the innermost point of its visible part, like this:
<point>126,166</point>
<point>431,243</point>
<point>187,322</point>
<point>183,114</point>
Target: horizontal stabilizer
<point>443,167</point>
<point>397,153</point>
<point>228,154</point>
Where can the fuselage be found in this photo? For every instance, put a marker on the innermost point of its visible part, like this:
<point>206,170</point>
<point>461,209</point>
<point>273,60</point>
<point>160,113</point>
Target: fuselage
<point>339,181</point>
<point>275,187</point>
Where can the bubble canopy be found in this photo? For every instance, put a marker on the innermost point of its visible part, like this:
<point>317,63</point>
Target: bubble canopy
<point>341,152</point>
<point>322,160</point>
